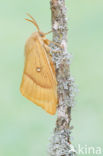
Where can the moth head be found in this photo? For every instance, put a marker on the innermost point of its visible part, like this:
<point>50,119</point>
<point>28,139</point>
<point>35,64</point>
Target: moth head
<point>36,25</point>
<point>41,34</point>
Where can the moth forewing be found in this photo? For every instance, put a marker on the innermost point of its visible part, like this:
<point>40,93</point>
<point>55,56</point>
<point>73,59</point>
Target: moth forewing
<point>39,83</point>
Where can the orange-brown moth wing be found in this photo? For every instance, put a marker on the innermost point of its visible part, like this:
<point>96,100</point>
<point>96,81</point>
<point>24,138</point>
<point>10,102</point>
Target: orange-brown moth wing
<point>39,81</point>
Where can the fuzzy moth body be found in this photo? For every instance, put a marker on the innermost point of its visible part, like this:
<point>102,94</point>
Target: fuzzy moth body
<point>39,83</point>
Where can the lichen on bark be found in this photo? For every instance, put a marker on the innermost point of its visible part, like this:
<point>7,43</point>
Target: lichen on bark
<point>60,144</point>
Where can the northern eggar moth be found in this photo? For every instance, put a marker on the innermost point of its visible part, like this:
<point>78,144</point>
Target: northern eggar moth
<point>39,83</point>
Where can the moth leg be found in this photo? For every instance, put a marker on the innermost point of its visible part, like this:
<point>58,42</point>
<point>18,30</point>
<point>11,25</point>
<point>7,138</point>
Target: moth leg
<point>47,42</point>
<point>57,44</point>
<point>48,49</point>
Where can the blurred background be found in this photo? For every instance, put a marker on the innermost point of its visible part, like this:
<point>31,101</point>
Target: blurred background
<point>25,129</point>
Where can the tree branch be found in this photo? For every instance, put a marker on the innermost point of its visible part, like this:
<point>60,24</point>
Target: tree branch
<point>60,142</point>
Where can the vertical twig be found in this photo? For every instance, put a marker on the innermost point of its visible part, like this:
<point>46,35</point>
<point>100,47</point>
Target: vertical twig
<point>60,142</point>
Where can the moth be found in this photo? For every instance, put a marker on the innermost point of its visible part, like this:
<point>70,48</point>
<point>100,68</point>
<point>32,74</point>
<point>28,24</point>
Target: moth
<point>39,83</point>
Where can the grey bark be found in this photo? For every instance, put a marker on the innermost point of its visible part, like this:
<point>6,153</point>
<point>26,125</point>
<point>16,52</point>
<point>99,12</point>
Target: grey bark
<point>60,144</point>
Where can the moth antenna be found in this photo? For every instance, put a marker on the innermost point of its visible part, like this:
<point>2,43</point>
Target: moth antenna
<point>48,32</point>
<point>33,21</point>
